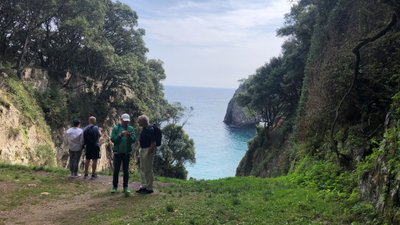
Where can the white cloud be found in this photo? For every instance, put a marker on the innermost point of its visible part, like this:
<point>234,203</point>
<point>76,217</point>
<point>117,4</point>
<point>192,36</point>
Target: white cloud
<point>214,42</point>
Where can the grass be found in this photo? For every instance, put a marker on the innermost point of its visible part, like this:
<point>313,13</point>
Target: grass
<point>25,185</point>
<point>237,200</point>
<point>245,200</point>
<point>22,97</point>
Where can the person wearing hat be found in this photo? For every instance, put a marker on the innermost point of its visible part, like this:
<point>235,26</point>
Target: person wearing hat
<point>123,136</point>
<point>74,138</point>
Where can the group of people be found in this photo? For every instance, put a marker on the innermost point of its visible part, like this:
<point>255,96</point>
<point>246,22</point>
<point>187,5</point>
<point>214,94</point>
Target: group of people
<point>123,136</point>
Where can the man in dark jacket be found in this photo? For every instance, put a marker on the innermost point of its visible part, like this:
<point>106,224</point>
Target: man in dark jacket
<point>147,150</point>
<point>123,136</point>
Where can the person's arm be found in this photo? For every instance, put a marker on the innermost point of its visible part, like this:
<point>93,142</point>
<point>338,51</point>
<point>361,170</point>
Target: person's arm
<point>81,140</point>
<point>115,136</point>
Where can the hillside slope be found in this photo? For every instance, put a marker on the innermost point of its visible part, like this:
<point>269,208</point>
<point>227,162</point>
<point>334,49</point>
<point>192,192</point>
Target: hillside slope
<point>24,135</point>
<point>347,115</point>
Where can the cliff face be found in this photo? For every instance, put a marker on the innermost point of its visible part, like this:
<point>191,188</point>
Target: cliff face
<point>267,156</point>
<point>237,116</point>
<point>341,117</point>
<point>24,135</point>
<point>379,173</point>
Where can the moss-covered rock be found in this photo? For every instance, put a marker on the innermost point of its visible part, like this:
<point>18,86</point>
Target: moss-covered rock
<point>25,135</point>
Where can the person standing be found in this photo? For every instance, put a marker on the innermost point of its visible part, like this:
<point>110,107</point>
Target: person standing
<point>74,138</point>
<point>91,136</point>
<point>123,136</point>
<point>146,153</point>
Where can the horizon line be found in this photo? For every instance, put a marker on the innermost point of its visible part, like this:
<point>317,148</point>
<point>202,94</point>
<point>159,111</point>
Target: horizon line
<point>191,86</point>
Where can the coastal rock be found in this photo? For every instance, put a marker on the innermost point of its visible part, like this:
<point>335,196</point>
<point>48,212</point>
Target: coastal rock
<point>237,116</point>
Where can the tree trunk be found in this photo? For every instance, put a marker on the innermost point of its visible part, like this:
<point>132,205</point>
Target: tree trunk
<point>21,61</point>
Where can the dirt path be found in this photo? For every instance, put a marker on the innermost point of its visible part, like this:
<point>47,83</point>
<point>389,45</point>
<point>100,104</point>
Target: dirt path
<point>66,209</point>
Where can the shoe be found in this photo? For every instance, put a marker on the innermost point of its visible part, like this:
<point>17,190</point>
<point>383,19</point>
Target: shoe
<point>141,190</point>
<point>148,191</point>
<point>94,176</point>
<point>85,176</point>
<point>113,190</point>
<point>127,192</point>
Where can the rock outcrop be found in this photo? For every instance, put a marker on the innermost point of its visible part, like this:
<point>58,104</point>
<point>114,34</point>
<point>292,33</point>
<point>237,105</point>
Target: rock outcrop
<point>237,116</point>
<point>24,135</point>
<point>380,174</point>
<point>268,154</point>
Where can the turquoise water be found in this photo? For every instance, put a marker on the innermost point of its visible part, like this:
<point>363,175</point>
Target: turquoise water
<point>219,148</point>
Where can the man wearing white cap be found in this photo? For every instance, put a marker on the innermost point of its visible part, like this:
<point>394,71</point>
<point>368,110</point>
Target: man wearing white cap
<point>123,136</point>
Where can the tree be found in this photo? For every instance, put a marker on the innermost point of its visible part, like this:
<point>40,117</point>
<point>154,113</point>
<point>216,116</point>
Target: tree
<point>177,148</point>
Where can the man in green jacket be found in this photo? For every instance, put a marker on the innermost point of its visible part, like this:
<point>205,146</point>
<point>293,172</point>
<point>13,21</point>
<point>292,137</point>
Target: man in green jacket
<point>123,136</point>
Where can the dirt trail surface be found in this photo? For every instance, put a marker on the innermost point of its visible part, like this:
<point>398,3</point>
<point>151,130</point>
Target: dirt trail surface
<point>67,209</point>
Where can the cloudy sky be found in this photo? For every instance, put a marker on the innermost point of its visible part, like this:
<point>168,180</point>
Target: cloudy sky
<point>211,43</point>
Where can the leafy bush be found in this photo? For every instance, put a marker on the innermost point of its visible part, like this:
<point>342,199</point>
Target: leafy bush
<point>53,104</point>
<point>324,176</point>
<point>176,149</point>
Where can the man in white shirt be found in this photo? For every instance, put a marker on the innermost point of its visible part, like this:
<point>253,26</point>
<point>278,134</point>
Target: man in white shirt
<point>74,137</point>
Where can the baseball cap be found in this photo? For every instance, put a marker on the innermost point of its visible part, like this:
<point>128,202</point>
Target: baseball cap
<point>125,117</point>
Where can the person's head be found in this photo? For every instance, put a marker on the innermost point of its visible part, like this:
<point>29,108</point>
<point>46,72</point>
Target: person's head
<point>76,123</point>
<point>125,119</point>
<point>143,121</point>
<point>92,120</point>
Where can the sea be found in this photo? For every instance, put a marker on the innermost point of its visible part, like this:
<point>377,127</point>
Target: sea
<point>219,148</point>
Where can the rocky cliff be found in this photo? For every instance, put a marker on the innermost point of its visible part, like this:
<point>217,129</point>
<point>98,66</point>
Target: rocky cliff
<point>267,155</point>
<point>379,173</point>
<point>237,116</point>
<point>25,137</point>
<point>348,110</point>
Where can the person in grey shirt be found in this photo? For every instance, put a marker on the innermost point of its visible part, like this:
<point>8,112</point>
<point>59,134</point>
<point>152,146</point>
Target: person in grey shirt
<point>74,138</point>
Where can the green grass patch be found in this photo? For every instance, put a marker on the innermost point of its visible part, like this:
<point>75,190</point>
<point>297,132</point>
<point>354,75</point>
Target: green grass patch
<point>236,200</point>
<point>26,185</point>
<point>241,200</point>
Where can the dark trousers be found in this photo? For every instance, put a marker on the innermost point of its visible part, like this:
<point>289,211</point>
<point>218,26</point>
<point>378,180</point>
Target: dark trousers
<point>118,159</point>
<point>74,157</point>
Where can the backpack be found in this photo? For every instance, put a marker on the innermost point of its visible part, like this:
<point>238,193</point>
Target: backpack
<point>90,135</point>
<point>158,134</point>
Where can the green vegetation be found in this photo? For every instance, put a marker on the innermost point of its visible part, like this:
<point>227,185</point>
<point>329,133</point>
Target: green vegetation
<point>95,58</point>
<point>94,53</point>
<point>177,148</point>
<point>247,200</point>
<point>335,88</point>
<point>46,155</point>
<point>23,97</point>
<point>24,185</point>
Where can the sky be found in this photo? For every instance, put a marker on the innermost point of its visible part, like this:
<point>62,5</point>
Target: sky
<point>211,43</point>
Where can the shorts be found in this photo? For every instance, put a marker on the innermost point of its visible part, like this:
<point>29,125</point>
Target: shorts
<point>92,152</point>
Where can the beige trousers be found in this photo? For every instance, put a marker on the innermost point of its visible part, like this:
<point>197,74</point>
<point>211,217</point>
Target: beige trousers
<point>146,168</point>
